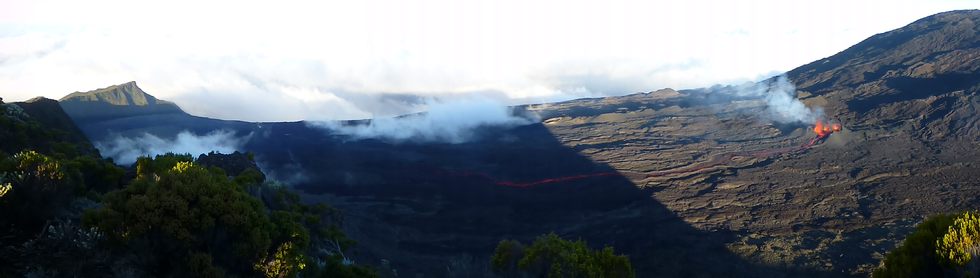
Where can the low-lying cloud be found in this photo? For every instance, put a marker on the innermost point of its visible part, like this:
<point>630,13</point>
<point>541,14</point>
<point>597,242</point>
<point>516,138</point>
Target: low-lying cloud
<point>454,121</point>
<point>125,150</point>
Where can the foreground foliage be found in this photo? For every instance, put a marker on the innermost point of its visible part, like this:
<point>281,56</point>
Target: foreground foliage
<point>944,245</point>
<point>47,176</point>
<point>69,212</point>
<point>552,256</point>
<point>178,209</point>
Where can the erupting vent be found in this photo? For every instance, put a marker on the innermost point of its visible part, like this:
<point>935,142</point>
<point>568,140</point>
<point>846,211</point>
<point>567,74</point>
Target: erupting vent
<point>823,129</point>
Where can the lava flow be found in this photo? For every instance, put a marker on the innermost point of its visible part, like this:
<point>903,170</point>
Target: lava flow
<point>554,180</point>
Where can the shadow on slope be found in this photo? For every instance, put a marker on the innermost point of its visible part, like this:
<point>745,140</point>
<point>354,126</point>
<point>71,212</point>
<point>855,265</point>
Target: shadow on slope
<point>440,209</point>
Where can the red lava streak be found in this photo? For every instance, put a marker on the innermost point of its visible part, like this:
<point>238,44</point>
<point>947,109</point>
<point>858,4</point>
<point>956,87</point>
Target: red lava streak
<point>554,180</point>
<point>822,130</point>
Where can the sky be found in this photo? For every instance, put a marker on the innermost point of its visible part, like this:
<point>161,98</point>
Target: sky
<point>328,60</point>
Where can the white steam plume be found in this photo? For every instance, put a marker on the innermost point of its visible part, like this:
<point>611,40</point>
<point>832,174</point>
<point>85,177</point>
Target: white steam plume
<point>781,102</point>
<point>445,121</point>
<point>125,150</point>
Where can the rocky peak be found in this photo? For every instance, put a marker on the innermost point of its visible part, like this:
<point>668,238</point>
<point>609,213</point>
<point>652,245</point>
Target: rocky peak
<point>128,94</point>
<point>123,100</point>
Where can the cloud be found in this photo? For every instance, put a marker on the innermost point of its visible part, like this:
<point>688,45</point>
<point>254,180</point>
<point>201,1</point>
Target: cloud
<point>125,150</point>
<point>290,173</point>
<point>337,60</point>
<point>453,121</point>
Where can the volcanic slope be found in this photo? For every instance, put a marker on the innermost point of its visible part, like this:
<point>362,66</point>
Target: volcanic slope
<point>908,103</point>
<point>688,183</point>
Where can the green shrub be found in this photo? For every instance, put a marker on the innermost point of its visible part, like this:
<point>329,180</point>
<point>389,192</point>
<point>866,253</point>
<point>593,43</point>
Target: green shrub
<point>552,256</point>
<point>36,187</point>
<point>961,240</point>
<point>175,206</point>
<point>940,246</point>
<point>186,210</point>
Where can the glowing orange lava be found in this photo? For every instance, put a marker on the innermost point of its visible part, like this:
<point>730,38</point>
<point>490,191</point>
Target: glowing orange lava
<point>819,129</point>
<point>823,129</point>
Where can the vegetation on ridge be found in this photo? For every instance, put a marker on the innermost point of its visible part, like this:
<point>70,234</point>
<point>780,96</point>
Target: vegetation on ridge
<point>74,213</point>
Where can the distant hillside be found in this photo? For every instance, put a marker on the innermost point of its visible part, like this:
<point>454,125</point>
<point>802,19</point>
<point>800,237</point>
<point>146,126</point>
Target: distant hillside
<point>42,125</point>
<point>127,110</point>
<point>117,101</point>
<point>51,115</point>
<point>927,71</point>
<point>944,45</point>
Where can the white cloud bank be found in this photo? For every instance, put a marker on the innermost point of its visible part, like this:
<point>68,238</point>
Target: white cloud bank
<point>319,60</point>
<point>453,121</point>
<point>125,150</point>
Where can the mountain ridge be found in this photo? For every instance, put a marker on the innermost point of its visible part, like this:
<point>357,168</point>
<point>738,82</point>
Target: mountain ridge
<point>120,94</point>
<point>116,101</point>
<point>906,51</point>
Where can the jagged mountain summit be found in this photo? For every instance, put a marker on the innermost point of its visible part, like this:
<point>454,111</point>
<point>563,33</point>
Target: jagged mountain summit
<point>117,101</point>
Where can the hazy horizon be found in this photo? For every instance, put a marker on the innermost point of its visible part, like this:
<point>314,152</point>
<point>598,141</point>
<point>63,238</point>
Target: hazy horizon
<point>344,60</point>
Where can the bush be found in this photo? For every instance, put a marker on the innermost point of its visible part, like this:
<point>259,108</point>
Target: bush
<point>35,186</point>
<point>176,207</point>
<point>959,247</point>
<point>552,256</point>
<point>942,245</point>
<point>188,211</point>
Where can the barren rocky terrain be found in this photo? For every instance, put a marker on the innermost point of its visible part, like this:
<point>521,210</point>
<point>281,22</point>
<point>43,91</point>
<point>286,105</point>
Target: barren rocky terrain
<point>908,102</point>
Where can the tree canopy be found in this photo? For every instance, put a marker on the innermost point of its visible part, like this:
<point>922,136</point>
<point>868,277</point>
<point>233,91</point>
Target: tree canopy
<point>176,207</point>
<point>551,256</point>
<point>168,215</point>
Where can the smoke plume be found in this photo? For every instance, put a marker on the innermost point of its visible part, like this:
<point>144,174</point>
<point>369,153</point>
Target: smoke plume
<point>125,150</point>
<point>444,121</point>
<point>781,103</point>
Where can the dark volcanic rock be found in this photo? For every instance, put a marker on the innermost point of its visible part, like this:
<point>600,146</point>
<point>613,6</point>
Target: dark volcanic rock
<point>941,44</point>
